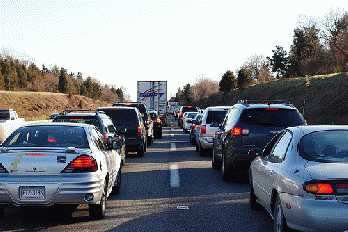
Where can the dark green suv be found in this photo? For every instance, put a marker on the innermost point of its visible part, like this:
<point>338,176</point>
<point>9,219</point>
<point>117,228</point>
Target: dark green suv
<point>249,124</point>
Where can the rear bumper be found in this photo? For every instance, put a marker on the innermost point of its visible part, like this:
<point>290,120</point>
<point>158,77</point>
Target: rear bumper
<point>206,142</point>
<point>59,189</point>
<point>314,215</point>
<point>133,144</point>
<point>239,160</point>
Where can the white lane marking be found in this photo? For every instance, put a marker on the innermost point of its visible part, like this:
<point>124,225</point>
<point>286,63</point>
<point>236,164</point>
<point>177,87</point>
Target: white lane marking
<point>172,135</point>
<point>172,128</point>
<point>174,176</point>
<point>171,125</point>
<point>172,146</point>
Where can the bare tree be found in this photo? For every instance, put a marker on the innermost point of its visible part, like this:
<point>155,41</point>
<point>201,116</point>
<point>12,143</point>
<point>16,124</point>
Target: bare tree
<point>259,68</point>
<point>203,88</point>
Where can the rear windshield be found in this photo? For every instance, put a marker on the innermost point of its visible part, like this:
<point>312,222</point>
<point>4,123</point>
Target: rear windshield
<point>121,116</point>
<point>91,121</point>
<point>216,116</point>
<point>325,146</point>
<point>48,136</point>
<point>191,115</point>
<point>188,109</point>
<point>272,117</point>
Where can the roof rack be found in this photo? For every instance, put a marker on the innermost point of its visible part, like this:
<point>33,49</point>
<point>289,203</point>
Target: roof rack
<point>64,112</point>
<point>268,102</point>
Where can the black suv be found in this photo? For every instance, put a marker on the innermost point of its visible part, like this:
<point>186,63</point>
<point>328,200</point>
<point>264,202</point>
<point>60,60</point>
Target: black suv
<point>145,116</point>
<point>101,121</point>
<point>184,109</point>
<point>250,124</point>
<point>129,119</point>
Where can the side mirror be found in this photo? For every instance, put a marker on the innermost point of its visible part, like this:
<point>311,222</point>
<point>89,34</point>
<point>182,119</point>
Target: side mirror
<point>117,145</point>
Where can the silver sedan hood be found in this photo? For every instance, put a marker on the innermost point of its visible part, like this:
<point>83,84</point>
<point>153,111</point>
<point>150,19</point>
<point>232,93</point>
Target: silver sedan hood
<point>327,170</point>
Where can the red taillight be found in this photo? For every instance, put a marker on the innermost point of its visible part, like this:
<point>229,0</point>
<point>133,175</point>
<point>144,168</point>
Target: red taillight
<point>83,163</point>
<point>272,109</point>
<point>203,129</point>
<point>318,188</point>
<point>35,154</point>
<point>139,131</point>
<point>195,127</point>
<point>240,131</point>
<point>106,137</point>
<point>158,121</point>
<point>181,114</point>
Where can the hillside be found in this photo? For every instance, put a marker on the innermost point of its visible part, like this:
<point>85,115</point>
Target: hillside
<point>324,101</point>
<point>40,105</point>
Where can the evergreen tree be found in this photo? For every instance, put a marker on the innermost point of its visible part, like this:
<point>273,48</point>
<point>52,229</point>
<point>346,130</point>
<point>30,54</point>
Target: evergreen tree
<point>23,76</point>
<point>119,93</point>
<point>89,87</point>
<point>228,82</point>
<point>187,95</point>
<point>63,84</point>
<point>279,61</point>
<point>244,79</point>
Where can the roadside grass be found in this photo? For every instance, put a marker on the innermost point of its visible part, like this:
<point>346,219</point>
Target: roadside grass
<point>324,101</point>
<point>34,106</point>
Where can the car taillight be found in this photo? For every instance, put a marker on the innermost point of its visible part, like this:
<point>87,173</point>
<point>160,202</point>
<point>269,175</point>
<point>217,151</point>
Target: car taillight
<point>106,137</point>
<point>139,131</point>
<point>203,129</point>
<point>83,163</point>
<point>240,131</point>
<point>181,114</point>
<point>158,121</point>
<point>318,188</point>
<point>195,127</point>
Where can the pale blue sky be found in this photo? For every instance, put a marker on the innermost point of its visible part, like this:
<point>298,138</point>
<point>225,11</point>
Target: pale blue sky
<point>121,42</point>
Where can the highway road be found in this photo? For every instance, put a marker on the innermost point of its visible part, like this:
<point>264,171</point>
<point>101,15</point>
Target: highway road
<point>171,188</point>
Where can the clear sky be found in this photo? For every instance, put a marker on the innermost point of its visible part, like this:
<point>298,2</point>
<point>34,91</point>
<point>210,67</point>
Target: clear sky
<point>122,42</point>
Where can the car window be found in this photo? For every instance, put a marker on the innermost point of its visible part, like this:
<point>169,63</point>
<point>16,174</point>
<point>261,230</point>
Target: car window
<point>215,116</point>
<point>109,125</point>
<point>272,117</point>
<point>325,146</point>
<point>232,117</point>
<point>99,139</point>
<point>278,152</point>
<point>48,136</point>
<point>121,116</point>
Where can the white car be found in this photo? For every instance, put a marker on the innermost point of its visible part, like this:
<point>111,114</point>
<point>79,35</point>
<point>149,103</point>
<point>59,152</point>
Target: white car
<point>301,178</point>
<point>58,163</point>
<point>187,120</point>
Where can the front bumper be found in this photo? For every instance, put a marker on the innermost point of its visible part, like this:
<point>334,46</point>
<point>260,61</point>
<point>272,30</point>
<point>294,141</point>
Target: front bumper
<point>59,189</point>
<point>314,215</point>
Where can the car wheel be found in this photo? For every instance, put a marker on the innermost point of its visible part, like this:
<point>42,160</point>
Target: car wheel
<point>225,172</point>
<point>149,140</point>
<point>117,186</point>
<point>97,211</point>
<point>215,163</point>
<point>201,150</point>
<point>279,219</point>
<point>252,198</point>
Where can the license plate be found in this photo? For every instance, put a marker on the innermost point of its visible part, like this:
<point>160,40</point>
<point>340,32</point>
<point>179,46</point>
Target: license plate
<point>32,192</point>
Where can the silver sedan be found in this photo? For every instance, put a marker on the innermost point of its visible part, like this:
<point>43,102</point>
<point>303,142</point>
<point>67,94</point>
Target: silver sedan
<point>58,163</point>
<point>301,178</point>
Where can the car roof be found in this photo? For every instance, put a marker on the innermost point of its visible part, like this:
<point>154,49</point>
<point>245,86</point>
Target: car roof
<point>252,104</point>
<point>60,124</point>
<point>116,107</point>
<point>218,108</point>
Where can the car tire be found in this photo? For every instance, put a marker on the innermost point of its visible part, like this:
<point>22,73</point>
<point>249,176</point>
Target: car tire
<point>215,163</point>
<point>279,224</point>
<point>97,211</point>
<point>225,172</point>
<point>252,198</point>
<point>2,211</point>
<point>201,150</point>
<point>197,147</point>
<point>141,151</point>
<point>149,140</point>
<point>117,186</point>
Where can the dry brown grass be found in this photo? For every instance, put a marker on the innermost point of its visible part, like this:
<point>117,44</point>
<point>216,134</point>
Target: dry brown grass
<point>40,105</point>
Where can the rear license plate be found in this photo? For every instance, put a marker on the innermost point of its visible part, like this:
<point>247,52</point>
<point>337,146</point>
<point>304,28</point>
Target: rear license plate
<point>32,192</point>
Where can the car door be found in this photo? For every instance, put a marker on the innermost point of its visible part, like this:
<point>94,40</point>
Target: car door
<point>270,167</point>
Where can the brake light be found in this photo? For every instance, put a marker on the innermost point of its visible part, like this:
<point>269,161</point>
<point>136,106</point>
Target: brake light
<point>35,154</point>
<point>83,163</point>
<point>76,119</point>
<point>318,188</point>
<point>158,121</point>
<point>240,131</point>
<point>195,127</point>
<point>203,129</point>
<point>272,109</point>
<point>106,137</point>
<point>181,114</point>
<point>139,131</point>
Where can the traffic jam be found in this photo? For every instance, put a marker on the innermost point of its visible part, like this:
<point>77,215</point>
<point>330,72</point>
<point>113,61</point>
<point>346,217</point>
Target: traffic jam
<point>296,173</point>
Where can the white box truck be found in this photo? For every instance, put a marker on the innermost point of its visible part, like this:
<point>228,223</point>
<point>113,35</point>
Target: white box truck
<point>154,95</point>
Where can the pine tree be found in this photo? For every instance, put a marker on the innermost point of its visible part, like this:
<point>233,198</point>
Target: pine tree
<point>243,79</point>
<point>228,82</point>
<point>63,84</point>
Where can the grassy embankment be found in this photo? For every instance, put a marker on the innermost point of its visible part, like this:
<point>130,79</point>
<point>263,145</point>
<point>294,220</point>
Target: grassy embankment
<point>325,101</point>
<point>39,106</point>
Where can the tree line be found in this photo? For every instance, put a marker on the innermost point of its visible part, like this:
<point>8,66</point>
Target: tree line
<point>22,75</point>
<point>320,46</point>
